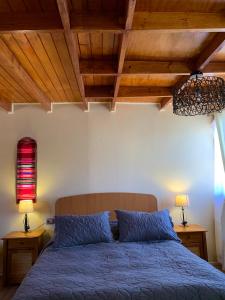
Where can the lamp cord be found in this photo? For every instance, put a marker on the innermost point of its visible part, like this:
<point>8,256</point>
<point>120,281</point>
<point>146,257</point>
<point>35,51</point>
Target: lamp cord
<point>39,226</point>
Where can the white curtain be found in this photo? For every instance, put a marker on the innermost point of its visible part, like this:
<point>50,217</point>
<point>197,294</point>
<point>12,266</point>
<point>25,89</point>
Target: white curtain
<point>219,164</point>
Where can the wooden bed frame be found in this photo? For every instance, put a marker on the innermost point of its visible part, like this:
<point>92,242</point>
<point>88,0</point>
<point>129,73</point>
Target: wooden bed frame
<point>93,203</point>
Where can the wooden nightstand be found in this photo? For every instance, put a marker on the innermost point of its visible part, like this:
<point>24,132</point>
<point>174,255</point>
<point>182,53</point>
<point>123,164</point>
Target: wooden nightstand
<point>20,251</point>
<point>194,238</point>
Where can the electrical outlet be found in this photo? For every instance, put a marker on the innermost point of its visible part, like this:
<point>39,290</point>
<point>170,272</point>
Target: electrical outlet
<point>50,221</point>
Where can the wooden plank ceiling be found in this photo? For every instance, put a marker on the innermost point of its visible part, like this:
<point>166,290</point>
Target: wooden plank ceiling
<point>83,51</point>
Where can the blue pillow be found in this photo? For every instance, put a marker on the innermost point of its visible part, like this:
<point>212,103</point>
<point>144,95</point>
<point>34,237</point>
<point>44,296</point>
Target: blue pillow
<point>143,226</point>
<point>78,230</point>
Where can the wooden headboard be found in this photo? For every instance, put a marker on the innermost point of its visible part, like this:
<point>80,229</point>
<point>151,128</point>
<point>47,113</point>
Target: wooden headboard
<point>93,203</point>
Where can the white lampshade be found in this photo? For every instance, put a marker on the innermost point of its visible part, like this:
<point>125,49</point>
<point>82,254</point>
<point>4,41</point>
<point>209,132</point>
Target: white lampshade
<point>182,200</point>
<point>26,206</point>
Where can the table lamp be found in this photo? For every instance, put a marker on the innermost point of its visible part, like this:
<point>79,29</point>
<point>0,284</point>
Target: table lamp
<point>182,201</point>
<point>26,206</point>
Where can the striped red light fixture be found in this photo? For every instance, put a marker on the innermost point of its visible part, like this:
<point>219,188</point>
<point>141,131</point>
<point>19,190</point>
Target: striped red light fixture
<point>26,171</point>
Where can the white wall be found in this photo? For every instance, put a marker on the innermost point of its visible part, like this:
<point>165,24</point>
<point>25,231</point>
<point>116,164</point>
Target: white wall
<point>136,149</point>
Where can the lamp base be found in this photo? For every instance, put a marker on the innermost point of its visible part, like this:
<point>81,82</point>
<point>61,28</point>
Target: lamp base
<point>185,223</point>
<point>26,223</point>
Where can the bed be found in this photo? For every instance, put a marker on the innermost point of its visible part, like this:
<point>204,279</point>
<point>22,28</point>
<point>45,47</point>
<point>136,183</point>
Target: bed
<point>137,270</point>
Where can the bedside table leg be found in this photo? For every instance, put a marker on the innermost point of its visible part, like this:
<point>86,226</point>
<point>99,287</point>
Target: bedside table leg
<point>4,278</point>
<point>205,252</point>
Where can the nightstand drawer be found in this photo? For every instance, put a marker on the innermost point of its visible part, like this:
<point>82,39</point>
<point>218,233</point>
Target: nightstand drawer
<point>193,237</point>
<point>196,249</point>
<point>21,243</point>
<point>18,264</point>
<point>20,251</point>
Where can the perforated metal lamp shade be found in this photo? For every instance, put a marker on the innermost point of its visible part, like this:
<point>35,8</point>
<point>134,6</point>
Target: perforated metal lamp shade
<point>199,95</point>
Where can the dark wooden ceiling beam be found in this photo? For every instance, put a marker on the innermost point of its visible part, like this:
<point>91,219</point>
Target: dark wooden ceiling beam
<point>13,22</point>
<point>72,44</point>
<point>127,92</point>
<point>179,21</point>
<point>157,21</point>
<point>97,22</point>
<point>214,67</point>
<point>123,48</point>
<point>107,68</point>
<point>143,91</point>
<point>165,102</point>
<point>6,105</point>
<point>100,100</point>
<point>9,62</point>
<point>217,43</point>
<point>156,67</point>
<point>202,63</point>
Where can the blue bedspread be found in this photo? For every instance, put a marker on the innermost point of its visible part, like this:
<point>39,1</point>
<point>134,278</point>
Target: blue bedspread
<point>154,271</point>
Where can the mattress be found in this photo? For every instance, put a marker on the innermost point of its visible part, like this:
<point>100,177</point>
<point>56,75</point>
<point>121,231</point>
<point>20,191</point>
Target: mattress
<point>145,270</point>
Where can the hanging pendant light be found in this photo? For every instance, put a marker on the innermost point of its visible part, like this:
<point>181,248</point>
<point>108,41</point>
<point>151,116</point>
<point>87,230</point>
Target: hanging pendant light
<point>199,95</point>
